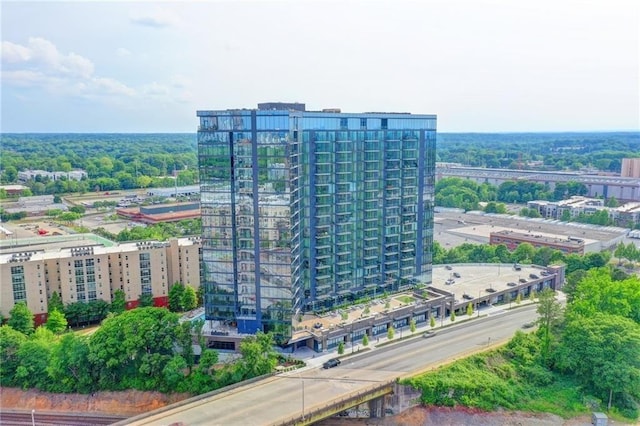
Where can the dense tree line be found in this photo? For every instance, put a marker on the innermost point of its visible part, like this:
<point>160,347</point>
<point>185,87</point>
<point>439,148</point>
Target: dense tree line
<point>525,253</point>
<point>112,161</point>
<point>543,151</point>
<point>144,348</point>
<point>127,161</point>
<point>467,194</point>
<point>580,359</point>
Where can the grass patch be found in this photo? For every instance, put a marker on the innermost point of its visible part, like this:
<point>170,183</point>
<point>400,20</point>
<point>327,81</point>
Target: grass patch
<point>406,299</point>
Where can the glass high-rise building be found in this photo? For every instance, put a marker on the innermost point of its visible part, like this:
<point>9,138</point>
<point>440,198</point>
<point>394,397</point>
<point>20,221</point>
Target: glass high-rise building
<point>306,210</point>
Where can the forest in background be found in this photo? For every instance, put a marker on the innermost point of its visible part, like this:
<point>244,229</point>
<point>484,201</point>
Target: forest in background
<point>129,161</point>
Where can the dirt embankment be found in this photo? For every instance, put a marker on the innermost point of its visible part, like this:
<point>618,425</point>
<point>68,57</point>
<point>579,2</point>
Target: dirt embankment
<point>130,403</point>
<point>126,403</point>
<point>445,416</point>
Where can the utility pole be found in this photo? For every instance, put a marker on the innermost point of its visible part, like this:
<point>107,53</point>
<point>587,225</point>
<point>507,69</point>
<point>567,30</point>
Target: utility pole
<point>303,400</point>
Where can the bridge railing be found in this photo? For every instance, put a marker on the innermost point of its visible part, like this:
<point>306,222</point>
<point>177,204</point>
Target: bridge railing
<point>348,401</point>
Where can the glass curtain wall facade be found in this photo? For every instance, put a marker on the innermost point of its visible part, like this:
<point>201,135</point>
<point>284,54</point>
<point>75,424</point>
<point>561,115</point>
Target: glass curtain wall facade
<point>303,211</point>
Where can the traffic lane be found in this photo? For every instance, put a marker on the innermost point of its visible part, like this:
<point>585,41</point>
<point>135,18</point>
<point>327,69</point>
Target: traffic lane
<point>262,403</point>
<point>419,353</point>
<point>281,397</point>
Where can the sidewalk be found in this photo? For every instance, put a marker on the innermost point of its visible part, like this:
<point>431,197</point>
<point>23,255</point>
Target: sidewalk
<point>315,359</point>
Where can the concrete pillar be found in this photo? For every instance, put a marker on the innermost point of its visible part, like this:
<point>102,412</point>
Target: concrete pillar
<point>376,407</point>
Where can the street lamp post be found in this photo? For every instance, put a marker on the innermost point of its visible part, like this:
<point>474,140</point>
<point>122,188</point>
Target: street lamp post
<point>33,419</point>
<point>303,400</point>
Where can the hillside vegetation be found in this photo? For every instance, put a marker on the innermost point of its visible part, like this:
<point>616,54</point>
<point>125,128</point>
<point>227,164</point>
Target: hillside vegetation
<point>580,359</point>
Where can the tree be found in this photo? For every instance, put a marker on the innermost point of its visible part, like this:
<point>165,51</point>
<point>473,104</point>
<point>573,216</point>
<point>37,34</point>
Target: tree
<point>340,348</point>
<point>518,298</point>
<point>603,351</point>
<point>365,340</point>
<point>550,316</point>
<point>33,358</point>
<point>390,332</point>
<point>173,372</point>
<point>176,293</point>
<point>185,341</point>
<point>56,322</point>
<point>21,318</point>
<point>493,207</point>
<point>69,365</point>
<point>189,298</point>
<point>469,309</point>
<point>10,342</point>
<point>596,260</point>
<point>208,359</point>
<point>258,355</point>
<point>432,321</point>
<point>55,302</point>
<point>76,313</point>
<point>453,316</point>
<point>611,202</point>
<point>532,295</point>
<point>131,349</point>
<point>523,253</point>
<point>620,252</point>
<point>598,292</point>
<point>200,295</point>
<point>78,209</point>
<point>145,300</point>
<point>118,304</point>
<point>412,325</point>
<point>543,256</point>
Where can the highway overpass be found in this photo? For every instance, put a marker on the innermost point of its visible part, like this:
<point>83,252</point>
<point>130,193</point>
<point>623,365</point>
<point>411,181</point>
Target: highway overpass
<point>313,393</point>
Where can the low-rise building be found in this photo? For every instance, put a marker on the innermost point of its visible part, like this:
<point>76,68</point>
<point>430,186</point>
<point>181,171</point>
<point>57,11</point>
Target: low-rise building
<point>161,213</point>
<point>27,175</point>
<point>627,215</point>
<point>513,239</point>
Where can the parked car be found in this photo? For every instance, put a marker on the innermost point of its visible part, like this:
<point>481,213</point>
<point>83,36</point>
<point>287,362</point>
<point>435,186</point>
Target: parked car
<point>457,275</point>
<point>333,362</point>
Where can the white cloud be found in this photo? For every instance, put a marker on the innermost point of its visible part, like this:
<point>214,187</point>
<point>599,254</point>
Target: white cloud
<point>43,55</point>
<point>40,64</point>
<point>122,52</point>
<point>113,87</point>
<point>12,53</point>
<point>160,18</point>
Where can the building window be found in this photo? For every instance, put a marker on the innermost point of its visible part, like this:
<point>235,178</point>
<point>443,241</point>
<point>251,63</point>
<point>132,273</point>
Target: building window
<point>19,287</point>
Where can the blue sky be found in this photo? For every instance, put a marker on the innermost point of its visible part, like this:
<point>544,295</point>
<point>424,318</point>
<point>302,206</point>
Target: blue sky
<point>480,65</point>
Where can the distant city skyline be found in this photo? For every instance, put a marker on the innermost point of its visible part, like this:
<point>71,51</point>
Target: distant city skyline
<point>481,66</point>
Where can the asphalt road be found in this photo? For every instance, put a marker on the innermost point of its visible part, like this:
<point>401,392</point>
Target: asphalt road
<point>273,400</point>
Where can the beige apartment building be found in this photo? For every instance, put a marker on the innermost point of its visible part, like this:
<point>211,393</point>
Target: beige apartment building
<point>94,272</point>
